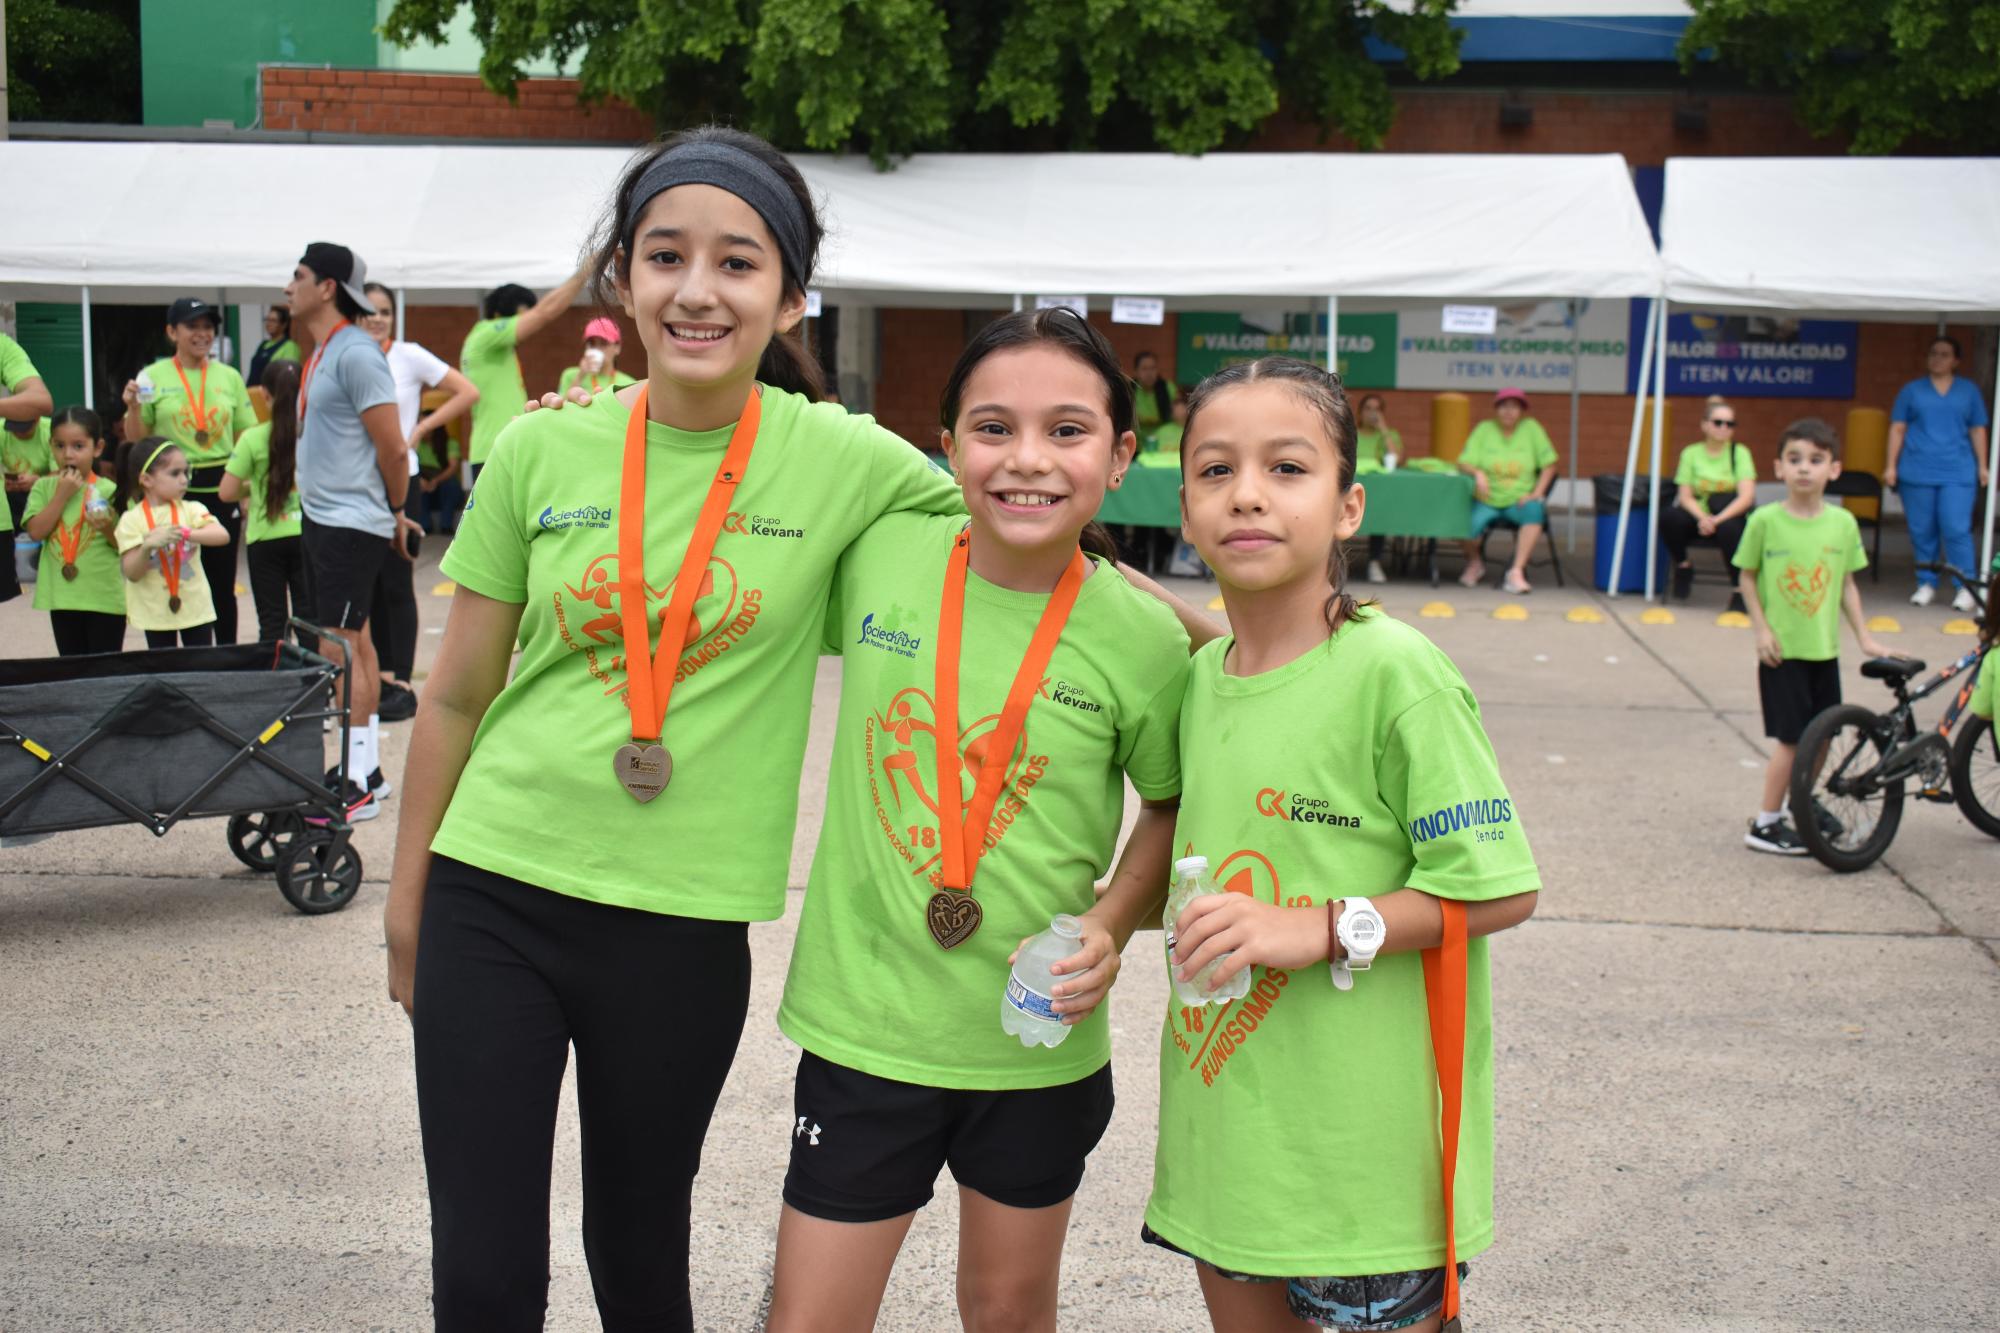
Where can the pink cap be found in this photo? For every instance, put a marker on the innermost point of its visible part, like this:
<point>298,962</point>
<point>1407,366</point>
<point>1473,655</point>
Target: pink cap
<point>606,329</point>
<point>1518,395</point>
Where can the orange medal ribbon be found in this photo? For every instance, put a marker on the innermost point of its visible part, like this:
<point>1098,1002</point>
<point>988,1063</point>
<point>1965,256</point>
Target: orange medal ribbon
<point>953,914</point>
<point>1444,994</point>
<point>305,380</point>
<point>199,402</point>
<point>72,538</point>
<point>170,565</point>
<point>644,767</point>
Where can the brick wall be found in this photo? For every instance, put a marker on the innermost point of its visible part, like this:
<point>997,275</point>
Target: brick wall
<point>390,102</point>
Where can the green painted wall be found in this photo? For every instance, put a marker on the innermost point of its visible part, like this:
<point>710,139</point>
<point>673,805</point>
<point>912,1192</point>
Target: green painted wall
<point>52,336</point>
<point>199,58</point>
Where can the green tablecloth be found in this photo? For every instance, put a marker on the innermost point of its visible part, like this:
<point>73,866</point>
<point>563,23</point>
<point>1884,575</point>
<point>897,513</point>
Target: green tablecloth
<point>1400,504</point>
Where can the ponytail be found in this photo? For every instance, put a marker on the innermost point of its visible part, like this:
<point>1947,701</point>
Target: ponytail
<point>281,382</point>
<point>1096,539</point>
<point>789,364</point>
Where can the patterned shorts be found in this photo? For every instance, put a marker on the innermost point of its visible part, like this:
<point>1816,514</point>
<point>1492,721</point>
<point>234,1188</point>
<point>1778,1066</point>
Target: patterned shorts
<point>1372,1303</point>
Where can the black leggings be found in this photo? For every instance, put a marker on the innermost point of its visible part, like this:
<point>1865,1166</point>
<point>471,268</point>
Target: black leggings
<point>278,584</point>
<point>508,977</point>
<point>201,636</point>
<point>80,632</point>
<point>1678,528</point>
<point>218,563</point>
<point>393,622</point>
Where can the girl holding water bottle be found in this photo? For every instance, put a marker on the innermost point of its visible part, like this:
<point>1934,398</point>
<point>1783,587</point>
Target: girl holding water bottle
<point>999,686</point>
<point>1339,779</point>
<point>70,514</point>
<point>166,592</point>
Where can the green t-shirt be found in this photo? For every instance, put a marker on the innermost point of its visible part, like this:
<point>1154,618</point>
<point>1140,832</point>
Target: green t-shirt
<point>1299,1125</point>
<point>489,361</point>
<point>148,604</point>
<point>1110,707</point>
<point>31,454</point>
<point>617,379</point>
<point>251,464</point>
<point>1801,564</point>
<point>16,367</point>
<point>428,461</point>
<point>1707,473</point>
<point>1511,462</point>
<point>1986,685</point>
<point>99,584</point>
<point>226,411</point>
<point>285,350</point>
<point>539,800</point>
<point>1146,405</point>
<point>1370,446</point>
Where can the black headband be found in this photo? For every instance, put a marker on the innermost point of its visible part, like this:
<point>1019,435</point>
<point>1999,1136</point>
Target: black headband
<point>743,175</point>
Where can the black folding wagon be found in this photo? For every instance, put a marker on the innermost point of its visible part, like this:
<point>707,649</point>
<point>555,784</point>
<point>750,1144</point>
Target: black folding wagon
<point>153,738</point>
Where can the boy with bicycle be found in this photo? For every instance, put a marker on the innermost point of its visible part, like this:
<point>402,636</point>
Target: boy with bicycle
<point>1795,559</point>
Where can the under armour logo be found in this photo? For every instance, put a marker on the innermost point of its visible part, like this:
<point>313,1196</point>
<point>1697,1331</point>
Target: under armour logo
<point>811,1135</point>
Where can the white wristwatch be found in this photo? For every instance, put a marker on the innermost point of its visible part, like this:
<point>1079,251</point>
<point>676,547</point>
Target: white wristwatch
<point>1360,932</point>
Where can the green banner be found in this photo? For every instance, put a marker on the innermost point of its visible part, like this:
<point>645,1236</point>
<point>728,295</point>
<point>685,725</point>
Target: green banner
<point>1208,342</point>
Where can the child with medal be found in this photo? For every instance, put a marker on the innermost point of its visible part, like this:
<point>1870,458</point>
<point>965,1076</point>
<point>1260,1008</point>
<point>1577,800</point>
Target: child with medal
<point>70,514</point>
<point>998,689</point>
<point>662,558</point>
<point>159,532</point>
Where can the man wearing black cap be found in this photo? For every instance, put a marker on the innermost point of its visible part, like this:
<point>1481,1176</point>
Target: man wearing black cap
<point>352,477</point>
<point>200,404</point>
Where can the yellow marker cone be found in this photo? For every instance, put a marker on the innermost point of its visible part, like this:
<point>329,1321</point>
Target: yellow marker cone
<point>1437,610</point>
<point>1885,625</point>
<point>1733,620</point>
<point>1510,611</point>
<point>1960,627</point>
<point>1584,615</point>
<point>1216,604</point>
<point>444,589</point>
<point>1656,615</point>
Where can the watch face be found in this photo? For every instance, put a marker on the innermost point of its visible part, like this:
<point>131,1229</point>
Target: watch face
<point>1364,930</point>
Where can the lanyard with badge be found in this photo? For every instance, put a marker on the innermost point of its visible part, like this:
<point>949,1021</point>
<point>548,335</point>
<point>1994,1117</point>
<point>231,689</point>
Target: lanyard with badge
<point>953,914</point>
<point>305,380</point>
<point>170,562</point>
<point>197,401</point>
<point>643,765</point>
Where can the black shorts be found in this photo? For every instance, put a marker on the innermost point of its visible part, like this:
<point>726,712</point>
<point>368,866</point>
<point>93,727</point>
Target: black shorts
<point>1794,693</point>
<point>341,566</point>
<point>865,1149</point>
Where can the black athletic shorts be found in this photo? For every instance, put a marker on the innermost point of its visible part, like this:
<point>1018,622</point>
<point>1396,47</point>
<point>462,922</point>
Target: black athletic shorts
<point>865,1149</point>
<point>341,566</point>
<point>1794,693</point>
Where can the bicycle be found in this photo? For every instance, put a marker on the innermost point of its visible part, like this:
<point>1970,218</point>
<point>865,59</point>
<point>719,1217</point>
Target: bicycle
<point>1848,780</point>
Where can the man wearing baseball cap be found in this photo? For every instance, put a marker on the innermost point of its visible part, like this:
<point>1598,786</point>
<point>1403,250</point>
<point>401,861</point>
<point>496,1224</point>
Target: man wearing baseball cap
<point>1512,464</point>
<point>352,477</point>
<point>200,404</point>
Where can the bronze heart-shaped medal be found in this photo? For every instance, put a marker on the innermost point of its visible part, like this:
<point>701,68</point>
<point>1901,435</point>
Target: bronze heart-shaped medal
<point>952,917</point>
<point>643,770</point>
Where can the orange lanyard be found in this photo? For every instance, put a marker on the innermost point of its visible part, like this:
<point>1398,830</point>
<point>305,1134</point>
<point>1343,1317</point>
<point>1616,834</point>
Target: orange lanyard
<point>305,380</point>
<point>72,538</point>
<point>199,402</point>
<point>1444,994</point>
<point>170,563</point>
<point>649,676</point>
<point>962,829</point>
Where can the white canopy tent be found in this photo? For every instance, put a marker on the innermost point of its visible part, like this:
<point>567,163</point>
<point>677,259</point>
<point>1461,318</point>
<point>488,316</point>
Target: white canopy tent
<point>1834,238</point>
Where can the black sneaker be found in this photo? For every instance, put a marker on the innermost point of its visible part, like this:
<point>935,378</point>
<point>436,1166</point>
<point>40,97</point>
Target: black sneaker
<point>1736,604</point>
<point>1683,582</point>
<point>399,703</point>
<point>1777,837</point>
<point>361,807</point>
<point>378,786</point>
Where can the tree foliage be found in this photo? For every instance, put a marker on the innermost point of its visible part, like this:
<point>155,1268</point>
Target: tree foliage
<point>1886,73</point>
<point>889,77</point>
<point>73,60</point>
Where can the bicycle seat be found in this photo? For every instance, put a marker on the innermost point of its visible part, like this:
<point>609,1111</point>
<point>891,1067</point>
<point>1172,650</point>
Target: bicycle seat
<point>1892,669</point>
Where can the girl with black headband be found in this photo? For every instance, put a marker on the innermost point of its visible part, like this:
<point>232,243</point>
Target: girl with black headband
<point>583,844</point>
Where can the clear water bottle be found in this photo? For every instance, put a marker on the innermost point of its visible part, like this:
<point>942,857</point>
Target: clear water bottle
<point>1027,1009</point>
<point>148,391</point>
<point>96,507</point>
<point>1191,881</point>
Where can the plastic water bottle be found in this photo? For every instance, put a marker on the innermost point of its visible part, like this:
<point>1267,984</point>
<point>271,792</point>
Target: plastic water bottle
<point>148,391</point>
<point>1027,1008</point>
<point>96,507</point>
<point>1191,881</point>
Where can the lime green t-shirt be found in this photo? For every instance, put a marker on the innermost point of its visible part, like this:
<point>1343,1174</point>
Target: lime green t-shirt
<point>226,411</point>
<point>539,800</point>
<point>1370,446</point>
<point>30,454</point>
<point>1109,708</point>
<point>1801,564</point>
<point>147,603</point>
<point>99,584</point>
<point>286,350</point>
<point>251,464</point>
<point>488,359</point>
<point>428,460</point>
<point>1299,1125</point>
<point>617,379</point>
<point>1511,462</point>
<point>1709,474</point>
<point>16,367</point>
<point>1146,406</point>
<point>1986,686</point>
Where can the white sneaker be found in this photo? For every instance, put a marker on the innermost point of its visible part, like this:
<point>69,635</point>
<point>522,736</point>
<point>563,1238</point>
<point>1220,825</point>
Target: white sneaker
<point>1925,594</point>
<point>1376,573</point>
<point>1474,573</point>
<point>1964,602</point>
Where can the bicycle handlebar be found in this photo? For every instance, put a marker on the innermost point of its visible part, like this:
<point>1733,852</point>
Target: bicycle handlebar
<point>1953,571</point>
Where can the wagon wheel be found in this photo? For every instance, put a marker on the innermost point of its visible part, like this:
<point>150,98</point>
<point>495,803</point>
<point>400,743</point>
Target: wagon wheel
<point>259,840</point>
<point>314,878</point>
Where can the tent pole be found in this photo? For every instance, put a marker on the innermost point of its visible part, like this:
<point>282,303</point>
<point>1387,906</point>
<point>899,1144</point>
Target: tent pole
<point>402,300</point>
<point>1575,408</point>
<point>1659,427</point>
<point>89,380</point>
<point>1332,335</point>
<point>1632,450</point>
<point>1017,303</point>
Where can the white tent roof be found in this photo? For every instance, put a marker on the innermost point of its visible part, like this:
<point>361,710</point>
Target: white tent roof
<point>1866,237</point>
<point>139,220</point>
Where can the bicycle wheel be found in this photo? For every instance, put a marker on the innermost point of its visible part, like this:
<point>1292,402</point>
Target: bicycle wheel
<point>1845,817</point>
<point>1975,774</point>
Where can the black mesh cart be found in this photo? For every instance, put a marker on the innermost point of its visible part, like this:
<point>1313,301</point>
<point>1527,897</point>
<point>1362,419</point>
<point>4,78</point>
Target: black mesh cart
<point>153,738</point>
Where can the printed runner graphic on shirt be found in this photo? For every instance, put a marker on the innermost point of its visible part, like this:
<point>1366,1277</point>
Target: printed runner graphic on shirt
<point>1209,1035</point>
<point>588,619</point>
<point>1805,589</point>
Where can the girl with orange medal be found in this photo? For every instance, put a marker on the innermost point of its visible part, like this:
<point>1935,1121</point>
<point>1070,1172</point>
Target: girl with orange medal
<point>70,514</point>
<point>158,534</point>
<point>587,830</point>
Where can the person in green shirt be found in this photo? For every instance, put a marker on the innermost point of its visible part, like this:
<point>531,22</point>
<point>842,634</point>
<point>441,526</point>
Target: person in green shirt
<point>78,581</point>
<point>1338,780</point>
<point>545,892</point>
<point>1153,399</point>
<point>907,1069</point>
<point>598,370</point>
<point>1715,489</point>
<point>1795,558</point>
<point>277,344</point>
<point>1378,447</point>
<point>24,439</point>
<point>510,316</point>
<point>262,478</point>
<point>1512,464</point>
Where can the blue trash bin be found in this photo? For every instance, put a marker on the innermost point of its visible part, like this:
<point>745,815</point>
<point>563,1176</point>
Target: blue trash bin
<point>1632,576</point>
